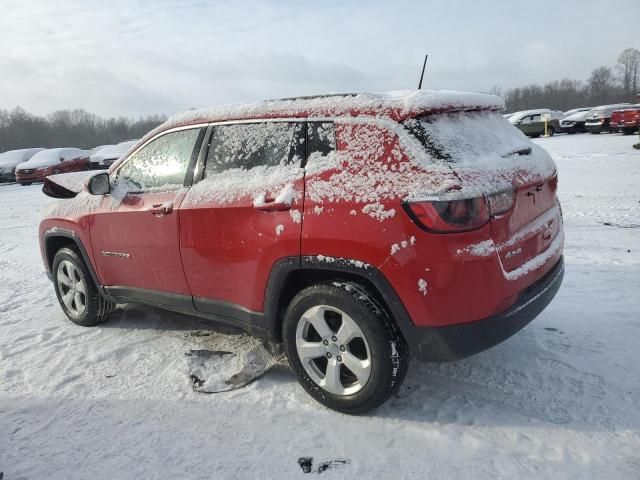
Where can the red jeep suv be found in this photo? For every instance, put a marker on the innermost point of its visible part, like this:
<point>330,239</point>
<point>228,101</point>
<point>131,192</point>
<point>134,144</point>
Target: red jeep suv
<point>354,228</point>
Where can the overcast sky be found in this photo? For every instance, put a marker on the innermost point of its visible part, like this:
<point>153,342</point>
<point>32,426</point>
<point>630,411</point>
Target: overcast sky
<point>116,57</point>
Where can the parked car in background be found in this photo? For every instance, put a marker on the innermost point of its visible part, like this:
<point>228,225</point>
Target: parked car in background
<point>429,225</point>
<point>574,123</point>
<point>95,150</point>
<point>51,162</point>
<point>599,118</point>
<point>625,120</point>
<point>107,155</point>
<point>11,159</point>
<point>531,123</point>
<point>631,120</point>
<point>576,110</point>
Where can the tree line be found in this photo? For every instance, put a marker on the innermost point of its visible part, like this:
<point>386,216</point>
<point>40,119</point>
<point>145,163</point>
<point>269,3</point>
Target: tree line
<point>605,85</point>
<point>68,128</point>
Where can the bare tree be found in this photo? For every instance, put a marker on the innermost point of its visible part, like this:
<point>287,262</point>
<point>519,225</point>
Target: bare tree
<point>629,68</point>
<point>68,128</point>
<point>602,84</point>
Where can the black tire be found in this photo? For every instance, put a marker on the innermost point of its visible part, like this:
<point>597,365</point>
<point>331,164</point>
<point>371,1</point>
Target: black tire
<point>25,184</point>
<point>551,131</point>
<point>387,352</point>
<point>627,131</point>
<point>534,135</point>
<point>96,308</point>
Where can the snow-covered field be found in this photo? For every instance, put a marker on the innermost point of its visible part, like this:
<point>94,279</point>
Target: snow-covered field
<point>561,399</point>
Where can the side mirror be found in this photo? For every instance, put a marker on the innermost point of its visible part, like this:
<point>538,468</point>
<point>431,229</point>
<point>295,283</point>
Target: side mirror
<point>99,184</point>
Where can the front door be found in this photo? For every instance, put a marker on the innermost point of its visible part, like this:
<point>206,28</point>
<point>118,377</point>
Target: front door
<point>135,233</point>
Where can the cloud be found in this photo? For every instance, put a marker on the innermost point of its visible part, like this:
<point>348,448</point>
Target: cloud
<point>143,57</point>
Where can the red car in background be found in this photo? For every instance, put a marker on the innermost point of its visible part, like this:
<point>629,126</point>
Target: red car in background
<point>630,121</point>
<point>51,162</point>
<point>354,228</point>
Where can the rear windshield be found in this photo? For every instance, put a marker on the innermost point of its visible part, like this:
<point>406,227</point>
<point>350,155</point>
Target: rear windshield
<point>468,137</point>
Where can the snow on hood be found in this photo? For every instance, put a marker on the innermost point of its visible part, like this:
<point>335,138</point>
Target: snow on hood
<point>577,117</point>
<point>46,158</point>
<point>13,158</point>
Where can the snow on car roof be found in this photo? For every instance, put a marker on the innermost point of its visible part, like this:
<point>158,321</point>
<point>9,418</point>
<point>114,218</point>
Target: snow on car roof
<point>14,157</point>
<point>397,105</point>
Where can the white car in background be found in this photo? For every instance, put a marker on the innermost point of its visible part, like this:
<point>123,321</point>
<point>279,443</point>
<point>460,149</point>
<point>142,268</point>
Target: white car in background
<point>11,159</point>
<point>108,154</point>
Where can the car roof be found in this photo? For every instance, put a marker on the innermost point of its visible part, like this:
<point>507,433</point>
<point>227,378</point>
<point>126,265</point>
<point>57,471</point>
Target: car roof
<point>396,105</point>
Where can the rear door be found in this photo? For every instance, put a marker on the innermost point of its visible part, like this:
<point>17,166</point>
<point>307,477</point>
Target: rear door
<point>135,233</point>
<point>244,214</point>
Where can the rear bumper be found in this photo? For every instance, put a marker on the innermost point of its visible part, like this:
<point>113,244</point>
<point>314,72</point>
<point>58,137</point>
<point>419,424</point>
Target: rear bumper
<point>445,344</point>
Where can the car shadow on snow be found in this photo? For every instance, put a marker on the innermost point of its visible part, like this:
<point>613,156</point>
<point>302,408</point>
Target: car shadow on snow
<point>538,374</point>
<point>525,380</point>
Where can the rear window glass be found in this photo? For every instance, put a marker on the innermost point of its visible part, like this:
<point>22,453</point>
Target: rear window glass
<point>248,145</point>
<point>467,137</point>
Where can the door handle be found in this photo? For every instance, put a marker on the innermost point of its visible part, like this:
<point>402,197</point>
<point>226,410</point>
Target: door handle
<point>161,208</point>
<point>272,206</point>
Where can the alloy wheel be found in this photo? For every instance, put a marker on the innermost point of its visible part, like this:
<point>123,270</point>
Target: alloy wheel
<point>333,350</point>
<point>72,288</point>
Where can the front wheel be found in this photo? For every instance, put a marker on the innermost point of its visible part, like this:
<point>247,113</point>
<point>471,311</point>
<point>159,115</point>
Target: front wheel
<point>78,295</point>
<point>551,131</point>
<point>343,348</point>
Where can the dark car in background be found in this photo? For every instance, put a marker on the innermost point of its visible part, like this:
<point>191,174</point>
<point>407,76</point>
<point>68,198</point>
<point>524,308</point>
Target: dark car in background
<point>108,154</point>
<point>574,121</point>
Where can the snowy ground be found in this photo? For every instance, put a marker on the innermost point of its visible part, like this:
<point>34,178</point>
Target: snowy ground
<point>558,400</point>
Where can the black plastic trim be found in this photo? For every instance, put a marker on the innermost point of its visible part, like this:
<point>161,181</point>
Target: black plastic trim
<point>446,344</point>
<point>183,302</point>
<point>61,232</point>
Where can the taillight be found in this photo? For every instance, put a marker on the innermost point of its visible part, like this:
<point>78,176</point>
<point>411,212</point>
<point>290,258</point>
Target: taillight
<point>450,216</point>
<point>462,215</point>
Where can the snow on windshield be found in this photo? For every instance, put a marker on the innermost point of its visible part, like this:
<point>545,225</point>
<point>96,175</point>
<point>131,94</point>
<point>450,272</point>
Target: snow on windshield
<point>487,153</point>
<point>468,137</point>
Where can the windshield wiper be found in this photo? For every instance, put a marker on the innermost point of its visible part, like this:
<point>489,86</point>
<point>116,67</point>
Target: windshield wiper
<point>522,151</point>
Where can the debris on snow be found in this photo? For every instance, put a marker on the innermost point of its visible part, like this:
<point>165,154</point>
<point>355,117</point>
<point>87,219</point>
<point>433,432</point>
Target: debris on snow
<point>221,371</point>
<point>422,286</point>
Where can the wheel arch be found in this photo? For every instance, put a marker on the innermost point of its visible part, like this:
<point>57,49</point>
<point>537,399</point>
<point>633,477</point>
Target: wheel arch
<point>291,275</point>
<point>57,238</point>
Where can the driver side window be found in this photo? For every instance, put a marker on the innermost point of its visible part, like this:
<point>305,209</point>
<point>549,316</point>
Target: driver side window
<point>162,163</point>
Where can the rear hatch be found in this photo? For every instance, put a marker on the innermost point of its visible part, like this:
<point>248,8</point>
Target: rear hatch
<point>498,165</point>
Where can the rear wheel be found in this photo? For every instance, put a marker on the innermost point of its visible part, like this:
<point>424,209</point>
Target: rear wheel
<point>551,131</point>
<point>343,347</point>
<point>25,184</point>
<point>78,295</point>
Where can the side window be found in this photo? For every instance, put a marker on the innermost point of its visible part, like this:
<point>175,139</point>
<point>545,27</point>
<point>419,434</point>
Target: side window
<point>536,118</point>
<point>162,163</point>
<point>248,145</point>
<point>321,137</point>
